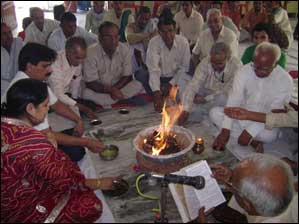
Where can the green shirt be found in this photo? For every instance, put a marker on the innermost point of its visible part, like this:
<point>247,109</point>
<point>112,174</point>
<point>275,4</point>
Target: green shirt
<point>249,52</point>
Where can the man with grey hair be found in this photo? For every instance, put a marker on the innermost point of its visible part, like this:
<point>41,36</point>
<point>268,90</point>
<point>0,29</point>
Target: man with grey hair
<point>262,187</point>
<point>216,33</point>
<point>259,86</point>
<point>211,82</point>
<point>40,28</point>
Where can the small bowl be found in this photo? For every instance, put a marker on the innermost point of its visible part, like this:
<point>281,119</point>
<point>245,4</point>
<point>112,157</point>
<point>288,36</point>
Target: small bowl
<point>123,111</point>
<point>95,122</point>
<point>109,153</point>
<point>120,187</point>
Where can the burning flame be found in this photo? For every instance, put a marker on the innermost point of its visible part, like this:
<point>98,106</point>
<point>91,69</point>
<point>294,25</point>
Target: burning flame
<point>170,113</point>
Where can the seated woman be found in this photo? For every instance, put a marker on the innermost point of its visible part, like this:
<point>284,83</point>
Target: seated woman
<point>41,183</point>
<point>261,33</point>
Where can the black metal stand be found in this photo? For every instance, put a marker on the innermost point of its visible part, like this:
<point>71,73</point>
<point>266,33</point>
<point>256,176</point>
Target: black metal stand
<point>164,187</point>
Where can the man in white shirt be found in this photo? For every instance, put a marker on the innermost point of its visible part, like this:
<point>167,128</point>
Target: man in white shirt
<point>10,49</point>
<point>168,58</point>
<point>40,28</point>
<point>67,74</point>
<point>260,86</point>
<point>211,82</point>
<point>262,187</point>
<point>35,62</point>
<point>227,22</point>
<point>217,32</point>
<point>69,28</point>
<point>189,22</point>
<point>108,69</point>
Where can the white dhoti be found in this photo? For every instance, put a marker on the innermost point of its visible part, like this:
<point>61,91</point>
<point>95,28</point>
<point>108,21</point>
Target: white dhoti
<point>266,136</point>
<point>133,88</point>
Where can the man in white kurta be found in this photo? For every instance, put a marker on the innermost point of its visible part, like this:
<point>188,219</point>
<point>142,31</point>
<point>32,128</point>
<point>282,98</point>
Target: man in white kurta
<point>189,22</point>
<point>211,82</point>
<point>108,69</point>
<point>10,49</point>
<point>217,32</point>
<point>40,28</point>
<point>260,86</point>
<point>67,74</point>
<point>67,29</point>
<point>168,58</point>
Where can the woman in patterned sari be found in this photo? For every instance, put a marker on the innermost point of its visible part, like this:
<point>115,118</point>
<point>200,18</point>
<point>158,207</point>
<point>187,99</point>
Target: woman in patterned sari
<point>39,183</point>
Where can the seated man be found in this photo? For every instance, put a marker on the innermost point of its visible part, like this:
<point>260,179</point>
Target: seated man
<point>68,28</point>
<point>40,28</point>
<point>261,33</point>
<point>212,80</point>
<point>287,117</point>
<point>189,22</point>
<point>35,62</point>
<point>95,16</point>
<point>67,74</point>
<point>263,189</point>
<point>108,69</point>
<point>138,35</point>
<point>10,49</point>
<point>254,16</point>
<point>119,17</point>
<point>279,17</point>
<point>260,86</point>
<point>217,32</point>
<point>167,59</point>
<point>227,22</point>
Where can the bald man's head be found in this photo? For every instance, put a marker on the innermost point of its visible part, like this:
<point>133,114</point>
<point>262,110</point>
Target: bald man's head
<point>266,183</point>
<point>266,57</point>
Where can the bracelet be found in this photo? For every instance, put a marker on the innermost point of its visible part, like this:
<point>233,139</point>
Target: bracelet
<point>98,185</point>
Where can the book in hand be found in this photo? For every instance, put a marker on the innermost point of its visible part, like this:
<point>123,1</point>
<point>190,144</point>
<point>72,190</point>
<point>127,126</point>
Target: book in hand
<point>188,199</point>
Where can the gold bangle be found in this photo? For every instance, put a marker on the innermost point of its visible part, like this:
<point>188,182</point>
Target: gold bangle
<point>98,184</point>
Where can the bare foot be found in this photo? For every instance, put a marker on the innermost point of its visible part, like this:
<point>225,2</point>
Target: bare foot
<point>258,146</point>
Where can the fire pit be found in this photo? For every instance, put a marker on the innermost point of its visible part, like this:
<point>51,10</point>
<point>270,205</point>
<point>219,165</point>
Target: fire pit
<point>164,163</point>
<point>163,149</point>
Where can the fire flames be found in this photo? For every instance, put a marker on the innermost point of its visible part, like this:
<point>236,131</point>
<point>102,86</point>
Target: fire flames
<point>170,113</point>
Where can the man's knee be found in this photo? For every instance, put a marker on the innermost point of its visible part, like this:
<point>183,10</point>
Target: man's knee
<point>267,136</point>
<point>216,115</point>
<point>142,76</point>
<point>75,153</point>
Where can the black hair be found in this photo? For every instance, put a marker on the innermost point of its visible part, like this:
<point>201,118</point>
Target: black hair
<point>58,11</point>
<point>22,93</point>
<point>74,42</point>
<point>261,27</point>
<point>107,24</point>
<point>34,53</point>
<point>68,17</point>
<point>166,21</point>
<point>143,10</point>
<point>166,13</point>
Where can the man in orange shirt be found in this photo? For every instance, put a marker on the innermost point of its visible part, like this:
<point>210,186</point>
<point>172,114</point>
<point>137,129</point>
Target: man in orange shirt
<point>254,16</point>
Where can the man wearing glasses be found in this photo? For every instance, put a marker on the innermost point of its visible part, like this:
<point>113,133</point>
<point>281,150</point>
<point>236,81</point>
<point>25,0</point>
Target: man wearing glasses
<point>211,82</point>
<point>262,187</point>
<point>260,86</point>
